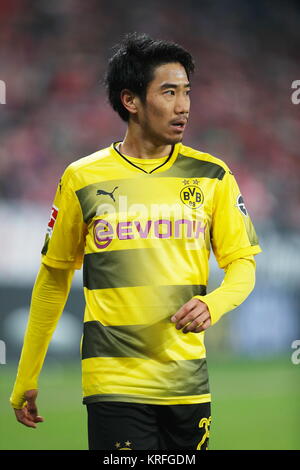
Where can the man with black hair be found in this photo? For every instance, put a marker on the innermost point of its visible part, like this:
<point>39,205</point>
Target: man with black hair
<point>142,216</point>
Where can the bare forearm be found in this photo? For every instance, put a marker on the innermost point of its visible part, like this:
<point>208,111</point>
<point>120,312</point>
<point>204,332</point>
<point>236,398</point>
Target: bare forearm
<point>49,296</point>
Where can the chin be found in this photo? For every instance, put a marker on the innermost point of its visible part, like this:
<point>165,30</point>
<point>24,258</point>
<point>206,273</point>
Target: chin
<point>173,140</point>
<point>167,139</point>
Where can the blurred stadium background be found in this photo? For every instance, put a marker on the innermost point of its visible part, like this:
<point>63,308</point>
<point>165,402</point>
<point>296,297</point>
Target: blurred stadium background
<point>52,59</point>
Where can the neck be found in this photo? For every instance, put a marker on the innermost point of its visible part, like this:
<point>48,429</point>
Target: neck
<point>137,145</point>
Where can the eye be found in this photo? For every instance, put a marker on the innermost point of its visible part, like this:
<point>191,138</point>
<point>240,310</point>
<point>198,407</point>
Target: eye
<point>170,92</point>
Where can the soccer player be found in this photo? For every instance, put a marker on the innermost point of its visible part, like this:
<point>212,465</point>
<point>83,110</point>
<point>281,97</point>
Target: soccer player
<point>142,216</point>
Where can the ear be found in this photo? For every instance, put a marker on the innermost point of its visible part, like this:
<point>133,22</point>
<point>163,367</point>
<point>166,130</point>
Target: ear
<point>129,101</point>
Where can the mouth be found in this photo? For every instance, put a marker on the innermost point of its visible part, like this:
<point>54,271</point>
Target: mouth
<point>179,125</point>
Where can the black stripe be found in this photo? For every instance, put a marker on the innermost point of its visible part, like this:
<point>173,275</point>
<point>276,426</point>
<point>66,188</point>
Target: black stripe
<point>140,341</point>
<point>190,167</point>
<point>142,398</point>
<point>124,268</point>
<point>114,341</point>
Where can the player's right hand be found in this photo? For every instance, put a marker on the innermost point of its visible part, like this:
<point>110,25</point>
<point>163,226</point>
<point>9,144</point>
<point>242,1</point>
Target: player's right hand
<point>28,415</point>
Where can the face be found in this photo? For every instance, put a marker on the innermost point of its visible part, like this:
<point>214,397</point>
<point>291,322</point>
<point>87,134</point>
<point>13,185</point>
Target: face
<point>163,116</point>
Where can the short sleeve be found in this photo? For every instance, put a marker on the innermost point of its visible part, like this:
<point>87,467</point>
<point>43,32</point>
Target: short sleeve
<point>232,233</point>
<point>65,236</point>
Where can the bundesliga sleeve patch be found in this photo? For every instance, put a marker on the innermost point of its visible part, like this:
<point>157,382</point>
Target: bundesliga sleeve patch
<point>53,217</point>
<point>241,205</point>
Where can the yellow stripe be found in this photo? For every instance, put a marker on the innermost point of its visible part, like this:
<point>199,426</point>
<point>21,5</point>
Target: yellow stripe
<point>147,378</point>
<point>125,305</point>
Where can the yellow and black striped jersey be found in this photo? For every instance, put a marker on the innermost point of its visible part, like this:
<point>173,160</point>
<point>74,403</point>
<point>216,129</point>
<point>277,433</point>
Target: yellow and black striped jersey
<point>143,230</point>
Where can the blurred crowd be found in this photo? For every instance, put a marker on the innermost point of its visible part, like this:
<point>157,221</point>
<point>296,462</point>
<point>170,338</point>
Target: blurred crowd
<point>53,57</point>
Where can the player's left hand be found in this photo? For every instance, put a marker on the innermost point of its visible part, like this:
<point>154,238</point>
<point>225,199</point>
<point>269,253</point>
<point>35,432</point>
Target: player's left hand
<point>192,316</point>
<point>28,415</point>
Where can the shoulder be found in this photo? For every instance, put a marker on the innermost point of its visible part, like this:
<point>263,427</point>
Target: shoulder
<point>90,160</point>
<point>204,158</point>
<point>77,168</point>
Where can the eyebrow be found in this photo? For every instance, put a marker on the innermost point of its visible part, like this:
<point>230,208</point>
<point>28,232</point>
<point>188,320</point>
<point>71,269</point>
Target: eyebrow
<point>173,85</point>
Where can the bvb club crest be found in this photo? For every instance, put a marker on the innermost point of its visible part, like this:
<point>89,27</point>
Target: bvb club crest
<point>191,195</point>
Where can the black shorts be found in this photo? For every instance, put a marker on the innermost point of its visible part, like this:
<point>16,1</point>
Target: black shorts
<point>135,426</point>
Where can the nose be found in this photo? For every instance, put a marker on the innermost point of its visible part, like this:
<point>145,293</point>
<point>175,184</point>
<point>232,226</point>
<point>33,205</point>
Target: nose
<point>182,104</point>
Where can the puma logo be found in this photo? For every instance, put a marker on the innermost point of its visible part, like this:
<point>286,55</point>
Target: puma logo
<point>105,193</point>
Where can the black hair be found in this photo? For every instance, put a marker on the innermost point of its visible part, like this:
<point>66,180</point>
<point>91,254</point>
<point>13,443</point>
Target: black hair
<point>133,63</point>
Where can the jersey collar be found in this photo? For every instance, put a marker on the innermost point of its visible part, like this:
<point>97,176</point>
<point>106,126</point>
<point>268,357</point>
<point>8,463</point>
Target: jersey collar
<point>134,166</point>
